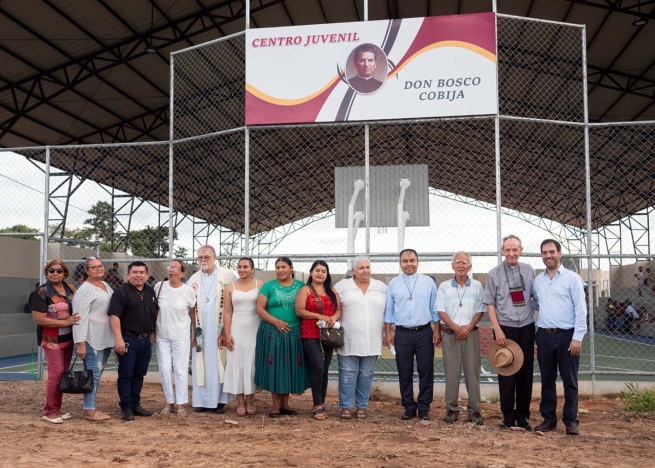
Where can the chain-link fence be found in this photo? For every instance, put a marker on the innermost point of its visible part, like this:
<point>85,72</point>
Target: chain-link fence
<point>271,191</point>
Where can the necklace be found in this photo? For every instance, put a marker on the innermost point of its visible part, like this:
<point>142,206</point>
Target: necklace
<point>206,291</point>
<point>411,292</point>
<point>140,293</point>
<point>462,296</point>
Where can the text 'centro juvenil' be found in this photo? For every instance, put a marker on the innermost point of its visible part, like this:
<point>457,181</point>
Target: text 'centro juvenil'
<point>283,41</point>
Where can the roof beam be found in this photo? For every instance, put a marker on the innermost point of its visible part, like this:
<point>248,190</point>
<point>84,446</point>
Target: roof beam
<point>619,7</point>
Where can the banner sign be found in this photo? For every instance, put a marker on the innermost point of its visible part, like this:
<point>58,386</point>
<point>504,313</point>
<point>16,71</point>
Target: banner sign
<point>396,69</point>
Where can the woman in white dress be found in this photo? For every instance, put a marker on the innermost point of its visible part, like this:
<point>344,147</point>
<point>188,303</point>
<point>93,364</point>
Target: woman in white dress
<point>176,303</point>
<point>240,324</point>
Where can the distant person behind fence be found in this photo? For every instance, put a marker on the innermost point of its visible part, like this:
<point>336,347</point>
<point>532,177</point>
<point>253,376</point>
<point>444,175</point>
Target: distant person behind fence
<point>640,280</point>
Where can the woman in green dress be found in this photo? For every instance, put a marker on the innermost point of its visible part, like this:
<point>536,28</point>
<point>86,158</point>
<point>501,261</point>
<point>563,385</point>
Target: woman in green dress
<point>279,357</point>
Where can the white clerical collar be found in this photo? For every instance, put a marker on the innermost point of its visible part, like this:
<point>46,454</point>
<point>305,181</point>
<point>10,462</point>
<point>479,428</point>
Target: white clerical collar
<point>364,78</point>
<point>410,276</point>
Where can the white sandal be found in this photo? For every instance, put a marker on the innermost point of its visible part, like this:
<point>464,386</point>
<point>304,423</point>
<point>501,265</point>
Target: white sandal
<point>65,416</point>
<point>55,420</point>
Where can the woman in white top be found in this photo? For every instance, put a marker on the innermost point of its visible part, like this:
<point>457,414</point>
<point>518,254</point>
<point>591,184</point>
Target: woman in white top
<point>241,323</point>
<point>175,314</point>
<point>362,316</point>
<point>93,335</point>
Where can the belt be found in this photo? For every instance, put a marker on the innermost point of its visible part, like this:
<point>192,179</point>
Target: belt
<point>555,330</point>
<point>450,330</point>
<point>138,335</point>
<point>412,329</point>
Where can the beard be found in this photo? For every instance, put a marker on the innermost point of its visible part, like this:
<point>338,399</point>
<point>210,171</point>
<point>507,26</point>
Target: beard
<point>206,266</point>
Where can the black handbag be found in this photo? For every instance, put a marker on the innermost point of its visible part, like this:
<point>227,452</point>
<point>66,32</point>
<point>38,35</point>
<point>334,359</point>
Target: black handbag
<point>76,381</point>
<point>330,337</point>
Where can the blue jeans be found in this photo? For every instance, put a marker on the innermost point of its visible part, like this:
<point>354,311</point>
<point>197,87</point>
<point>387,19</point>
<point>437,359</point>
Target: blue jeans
<point>132,368</point>
<point>95,361</point>
<point>355,380</point>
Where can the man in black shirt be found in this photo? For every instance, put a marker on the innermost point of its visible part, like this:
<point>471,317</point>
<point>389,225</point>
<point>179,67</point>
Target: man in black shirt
<point>132,310</point>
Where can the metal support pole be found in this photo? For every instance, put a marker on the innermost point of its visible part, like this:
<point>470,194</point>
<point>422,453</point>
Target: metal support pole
<point>246,195</point>
<point>403,216</point>
<point>590,290</point>
<point>367,174</point>
<point>171,163</point>
<point>246,150</point>
<point>499,196</point>
<point>44,246</point>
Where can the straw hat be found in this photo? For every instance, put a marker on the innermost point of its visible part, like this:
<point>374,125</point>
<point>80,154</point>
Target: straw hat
<point>506,360</point>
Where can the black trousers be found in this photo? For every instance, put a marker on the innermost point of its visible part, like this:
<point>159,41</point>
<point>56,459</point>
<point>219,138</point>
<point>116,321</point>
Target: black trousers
<point>516,390</point>
<point>409,344</point>
<point>318,368</point>
<point>552,352</point>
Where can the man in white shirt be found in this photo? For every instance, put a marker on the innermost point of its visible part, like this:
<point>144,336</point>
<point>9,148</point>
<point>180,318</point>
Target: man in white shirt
<point>460,308</point>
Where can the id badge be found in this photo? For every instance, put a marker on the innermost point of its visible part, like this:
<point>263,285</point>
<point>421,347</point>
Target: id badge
<point>518,298</point>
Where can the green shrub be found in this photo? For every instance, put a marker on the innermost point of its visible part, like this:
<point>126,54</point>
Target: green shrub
<point>637,399</point>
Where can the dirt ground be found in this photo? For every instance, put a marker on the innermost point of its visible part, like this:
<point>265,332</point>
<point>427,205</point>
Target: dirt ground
<point>609,436</point>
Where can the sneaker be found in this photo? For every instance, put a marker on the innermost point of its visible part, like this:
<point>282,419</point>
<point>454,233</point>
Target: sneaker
<point>524,423</point>
<point>451,417</point>
<point>476,418</point>
<point>424,415</point>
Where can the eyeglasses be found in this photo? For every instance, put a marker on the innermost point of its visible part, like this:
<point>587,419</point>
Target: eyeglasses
<point>205,257</point>
<point>172,268</point>
<point>59,271</point>
<point>97,267</point>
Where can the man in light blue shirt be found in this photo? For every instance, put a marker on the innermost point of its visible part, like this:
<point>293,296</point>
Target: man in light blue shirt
<point>410,306</point>
<point>562,323</point>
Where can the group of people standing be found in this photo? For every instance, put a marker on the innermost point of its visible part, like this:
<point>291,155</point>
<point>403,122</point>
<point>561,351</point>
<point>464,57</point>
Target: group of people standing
<point>244,336</point>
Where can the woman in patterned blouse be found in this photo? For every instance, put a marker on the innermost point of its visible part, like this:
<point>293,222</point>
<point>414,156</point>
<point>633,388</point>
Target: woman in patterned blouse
<point>51,311</point>
<point>93,336</point>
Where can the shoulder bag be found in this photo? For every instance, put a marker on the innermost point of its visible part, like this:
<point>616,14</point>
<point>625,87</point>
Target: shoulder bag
<point>330,337</point>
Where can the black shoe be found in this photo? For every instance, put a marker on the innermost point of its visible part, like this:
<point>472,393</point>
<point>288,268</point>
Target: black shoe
<point>138,411</point>
<point>424,415</point>
<point>127,415</point>
<point>572,429</point>
<point>546,426</point>
<point>408,414</point>
<point>200,409</point>
<point>476,418</point>
<point>507,423</point>
<point>220,409</point>
<point>451,417</point>
<point>288,412</point>
<point>524,423</point>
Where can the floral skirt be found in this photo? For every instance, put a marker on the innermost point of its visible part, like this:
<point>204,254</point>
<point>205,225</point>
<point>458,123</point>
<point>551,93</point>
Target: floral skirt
<point>280,360</point>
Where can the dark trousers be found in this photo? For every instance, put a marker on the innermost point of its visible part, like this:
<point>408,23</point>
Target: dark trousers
<point>409,344</point>
<point>132,368</point>
<point>318,368</point>
<point>516,390</point>
<point>552,352</point>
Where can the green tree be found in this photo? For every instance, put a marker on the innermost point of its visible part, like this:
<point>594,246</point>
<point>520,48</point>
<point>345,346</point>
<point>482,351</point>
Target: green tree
<point>20,228</point>
<point>150,242</point>
<point>180,252</point>
<point>84,234</point>
<point>102,224</point>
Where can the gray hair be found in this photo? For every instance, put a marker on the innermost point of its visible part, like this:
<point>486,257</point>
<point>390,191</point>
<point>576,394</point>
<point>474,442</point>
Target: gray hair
<point>88,261</point>
<point>352,263</point>
<point>461,252</point>
<point>511,236</point>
